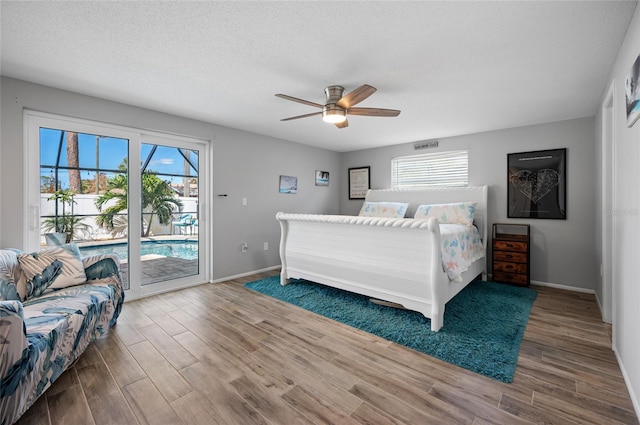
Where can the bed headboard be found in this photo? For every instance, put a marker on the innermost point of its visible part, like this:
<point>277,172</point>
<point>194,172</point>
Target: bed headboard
<point>438,195</point>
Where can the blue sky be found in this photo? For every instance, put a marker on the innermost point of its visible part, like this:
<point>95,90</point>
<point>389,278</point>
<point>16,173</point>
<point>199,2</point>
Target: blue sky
<point>111,150</point>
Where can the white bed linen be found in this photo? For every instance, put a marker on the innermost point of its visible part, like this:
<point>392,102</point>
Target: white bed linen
<point>461,246</point>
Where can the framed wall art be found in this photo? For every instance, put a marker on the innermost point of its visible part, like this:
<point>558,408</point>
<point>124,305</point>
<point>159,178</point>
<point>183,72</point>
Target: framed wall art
<point>632,93</point>
<point>322,178</point>
<point>537,183</point>
<point>359,182</point>
<point>288,184</point>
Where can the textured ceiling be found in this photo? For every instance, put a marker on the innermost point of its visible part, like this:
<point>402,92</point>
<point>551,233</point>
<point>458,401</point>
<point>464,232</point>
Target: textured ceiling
<point>452,67</point>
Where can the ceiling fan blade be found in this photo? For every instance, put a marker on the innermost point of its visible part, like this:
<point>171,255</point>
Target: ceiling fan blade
<point>295,99</point>
<point>302,116</point>
<point>374,112</point>
<point>356,96</point>
<point>342,124</point>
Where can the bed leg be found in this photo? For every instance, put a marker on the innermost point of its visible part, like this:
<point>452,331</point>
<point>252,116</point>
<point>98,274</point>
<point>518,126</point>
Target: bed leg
<point>436,322</point>
<point>283,278</point>
<point>437,317</point>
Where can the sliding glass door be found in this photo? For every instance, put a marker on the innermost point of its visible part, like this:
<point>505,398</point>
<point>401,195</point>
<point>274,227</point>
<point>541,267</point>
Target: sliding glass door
<point>88,181</point>
<point>170,216</point>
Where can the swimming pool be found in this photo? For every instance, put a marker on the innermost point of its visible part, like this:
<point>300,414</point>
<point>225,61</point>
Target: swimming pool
<point>187,250</point>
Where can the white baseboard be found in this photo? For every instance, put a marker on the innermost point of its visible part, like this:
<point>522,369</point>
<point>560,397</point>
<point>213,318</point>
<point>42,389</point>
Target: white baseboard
<point>565,287</point>
<point>224,279</point>
<point>557,286</point>
<point>131,297</point>
<point>599,306</point>
<point>604,319</point>
<point>627,381</point>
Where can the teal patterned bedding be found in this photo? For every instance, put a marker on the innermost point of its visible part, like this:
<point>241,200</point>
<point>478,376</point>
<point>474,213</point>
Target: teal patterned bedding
<point>42,336</point>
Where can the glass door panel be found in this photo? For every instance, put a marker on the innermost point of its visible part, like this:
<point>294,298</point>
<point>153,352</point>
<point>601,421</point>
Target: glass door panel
<point>169,244</point>
<point>83,192</point>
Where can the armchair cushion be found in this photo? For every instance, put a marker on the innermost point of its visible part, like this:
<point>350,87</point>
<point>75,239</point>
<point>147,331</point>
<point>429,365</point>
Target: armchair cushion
<point>54,268</point>
<point>100,267</point>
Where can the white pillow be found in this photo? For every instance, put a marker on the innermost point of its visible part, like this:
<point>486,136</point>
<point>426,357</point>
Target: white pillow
<point>459,213</point>
<point>53,268</point>
<point>383,209</point>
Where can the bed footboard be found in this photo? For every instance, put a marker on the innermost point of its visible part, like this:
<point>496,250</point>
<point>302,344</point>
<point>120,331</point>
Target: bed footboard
<point>396,260</point>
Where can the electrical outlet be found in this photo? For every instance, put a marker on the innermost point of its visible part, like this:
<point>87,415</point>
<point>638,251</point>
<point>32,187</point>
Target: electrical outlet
<point>266,246</point>
<point>244,247</point>
<point>244,202</point>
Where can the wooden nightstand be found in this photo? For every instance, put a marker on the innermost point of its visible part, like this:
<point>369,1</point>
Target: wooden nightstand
<point>511,253</point>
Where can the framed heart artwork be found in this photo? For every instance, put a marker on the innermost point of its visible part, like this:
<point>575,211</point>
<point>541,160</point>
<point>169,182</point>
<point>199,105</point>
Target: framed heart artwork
<point>537,184</point>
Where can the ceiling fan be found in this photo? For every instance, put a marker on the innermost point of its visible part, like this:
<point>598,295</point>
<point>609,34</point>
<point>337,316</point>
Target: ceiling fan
<point>337,105</point>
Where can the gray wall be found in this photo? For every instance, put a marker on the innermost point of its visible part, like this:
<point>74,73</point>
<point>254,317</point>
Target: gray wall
<point>626,216</point>
<point>248,165</point>
<point>244,165</point>
<point>562,250</point>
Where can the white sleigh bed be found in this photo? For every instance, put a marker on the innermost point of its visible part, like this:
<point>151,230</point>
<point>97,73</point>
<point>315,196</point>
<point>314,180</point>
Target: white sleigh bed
<point>392,259</point>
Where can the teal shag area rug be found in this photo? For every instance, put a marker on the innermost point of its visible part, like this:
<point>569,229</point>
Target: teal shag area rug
<point>482,331</point>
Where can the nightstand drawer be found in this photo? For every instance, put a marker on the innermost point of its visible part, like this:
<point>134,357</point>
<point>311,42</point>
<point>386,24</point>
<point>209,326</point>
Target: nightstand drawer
<point>519,279</point>
<point>510,246</point>
<point>515,257</point>
<point>503,266</point>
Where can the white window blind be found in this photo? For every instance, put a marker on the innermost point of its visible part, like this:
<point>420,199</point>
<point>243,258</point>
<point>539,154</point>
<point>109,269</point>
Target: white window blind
<point>449,168</point>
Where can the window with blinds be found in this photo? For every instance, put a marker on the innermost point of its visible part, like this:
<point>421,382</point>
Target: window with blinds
<point>449,168</point>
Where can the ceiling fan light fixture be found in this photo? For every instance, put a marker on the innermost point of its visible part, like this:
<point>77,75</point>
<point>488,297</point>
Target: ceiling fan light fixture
<point>338,105</point>
<point>333,114</point>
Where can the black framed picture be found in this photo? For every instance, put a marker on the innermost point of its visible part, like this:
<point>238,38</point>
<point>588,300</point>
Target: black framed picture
<point>537,184</point>
<point>359,182</point>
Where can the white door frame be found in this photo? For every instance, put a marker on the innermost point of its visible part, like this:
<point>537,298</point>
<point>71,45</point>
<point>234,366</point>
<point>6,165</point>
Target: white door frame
<point>34,120</point>
<point>204,179</point>
<point>608,197</point>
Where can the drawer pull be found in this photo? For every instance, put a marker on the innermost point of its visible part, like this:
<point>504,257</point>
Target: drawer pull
<point>509,256</point>
<point>508,266</point>
<point>509,245</point>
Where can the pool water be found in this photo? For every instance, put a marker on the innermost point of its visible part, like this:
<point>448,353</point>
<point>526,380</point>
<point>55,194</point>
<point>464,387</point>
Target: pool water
<point>187,250</point>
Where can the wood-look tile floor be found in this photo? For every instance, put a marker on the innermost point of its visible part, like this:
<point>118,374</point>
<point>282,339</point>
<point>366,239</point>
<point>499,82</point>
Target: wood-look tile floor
<point>221,354</point>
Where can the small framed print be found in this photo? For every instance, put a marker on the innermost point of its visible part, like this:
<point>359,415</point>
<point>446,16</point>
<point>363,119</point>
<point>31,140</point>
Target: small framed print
<point>632,93</point>
<point>359,182</point>
<point>288,184</point>
<point>322,178</point>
